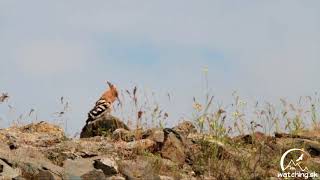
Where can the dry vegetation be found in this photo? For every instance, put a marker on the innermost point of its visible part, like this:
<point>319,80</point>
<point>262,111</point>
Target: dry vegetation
<point>241,140</point>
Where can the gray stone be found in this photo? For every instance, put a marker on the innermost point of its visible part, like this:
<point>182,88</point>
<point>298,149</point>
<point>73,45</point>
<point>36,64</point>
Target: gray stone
<point>19,178</point>
<point>138,169</point>
<point>102,126</point>
<point>94,175</point>
<point>174,149</point>
<point>44,175</point>
<point>78,167</point>
<point>116,178</point>
<point>143,144</point>
<point>157,135</point>
<point>107,165</point>
<point>7,171</point>
<point>166,178</point>
<point>122,134</point>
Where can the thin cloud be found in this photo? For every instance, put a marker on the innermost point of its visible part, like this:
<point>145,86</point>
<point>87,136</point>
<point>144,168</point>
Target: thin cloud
<point>50,57</point>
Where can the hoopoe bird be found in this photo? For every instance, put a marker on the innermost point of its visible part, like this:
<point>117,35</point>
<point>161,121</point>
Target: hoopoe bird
<point>104,104</point>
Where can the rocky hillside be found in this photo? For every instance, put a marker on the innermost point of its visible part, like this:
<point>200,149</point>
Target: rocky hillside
<point>107,149</point>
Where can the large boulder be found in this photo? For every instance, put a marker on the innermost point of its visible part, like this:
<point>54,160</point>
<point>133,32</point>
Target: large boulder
<point>44,174</point>
<point>93,175</point>
<point>138,145</point>
<point>139,169</point>
<point>41,134</point>
<point>173,149</point>
<point>77,167</point>
<point>102,126</point>
<point>27,162</point>
<point>107,165</point>
<point>7,172</point>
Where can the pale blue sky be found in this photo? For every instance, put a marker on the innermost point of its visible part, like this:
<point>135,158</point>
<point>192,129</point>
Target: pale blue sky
<point>263,49</point>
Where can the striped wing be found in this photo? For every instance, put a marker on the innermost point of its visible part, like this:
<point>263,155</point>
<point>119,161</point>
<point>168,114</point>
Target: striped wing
<point>100,107</point>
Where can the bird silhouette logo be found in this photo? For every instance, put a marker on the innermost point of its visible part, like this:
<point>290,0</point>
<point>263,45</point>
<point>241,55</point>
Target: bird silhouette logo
<point>300,158</point>
<point>293,165</point>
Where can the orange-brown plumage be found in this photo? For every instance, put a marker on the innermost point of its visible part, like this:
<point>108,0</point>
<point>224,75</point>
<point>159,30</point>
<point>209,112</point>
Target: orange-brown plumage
<point>111,94</point>
<point>104,104</point>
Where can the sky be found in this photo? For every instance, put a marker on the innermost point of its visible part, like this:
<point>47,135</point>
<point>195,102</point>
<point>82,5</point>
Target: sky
<point>263,49</point>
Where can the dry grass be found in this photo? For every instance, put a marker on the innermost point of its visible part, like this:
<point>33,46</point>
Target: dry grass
<point>218,122</point>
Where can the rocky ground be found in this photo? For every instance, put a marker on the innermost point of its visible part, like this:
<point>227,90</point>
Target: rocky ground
<point>107,149</point>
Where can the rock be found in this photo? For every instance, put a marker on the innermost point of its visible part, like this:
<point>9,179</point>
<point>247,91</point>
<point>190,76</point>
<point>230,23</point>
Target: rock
<point>40,134</point>
<point>167,131</point>
<point>138,169</point>
<point>33,162</point>
<point>185,128</point>
<point>116,178</point>
<point>28,162</point>
<point>13,145</point>
<point>78,167</point>
<point>312,147</point>
<point>84,148</point>
<point>107,165</point>
<point>316,161</point>
<point>7,172</point>
<point>313,134</point>
<point>166,178</point>
<point>310,135</point>
<point>143,144</point>
<point>44,175</point>
<point>84,154</point>
<point>18,178</point>
<point>42,127</point>
<point>157,135</point>
<point>40,151</point>
<point>33,171</point>
<point>94,175</point>
<point>122,134</point>
<point>253,138</point>
<point>193,178</point>
<point>102,126</point>
<point>173,149</point>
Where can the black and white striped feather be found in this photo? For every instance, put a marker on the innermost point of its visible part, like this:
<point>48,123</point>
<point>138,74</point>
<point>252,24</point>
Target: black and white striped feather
<point>100,107</point>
